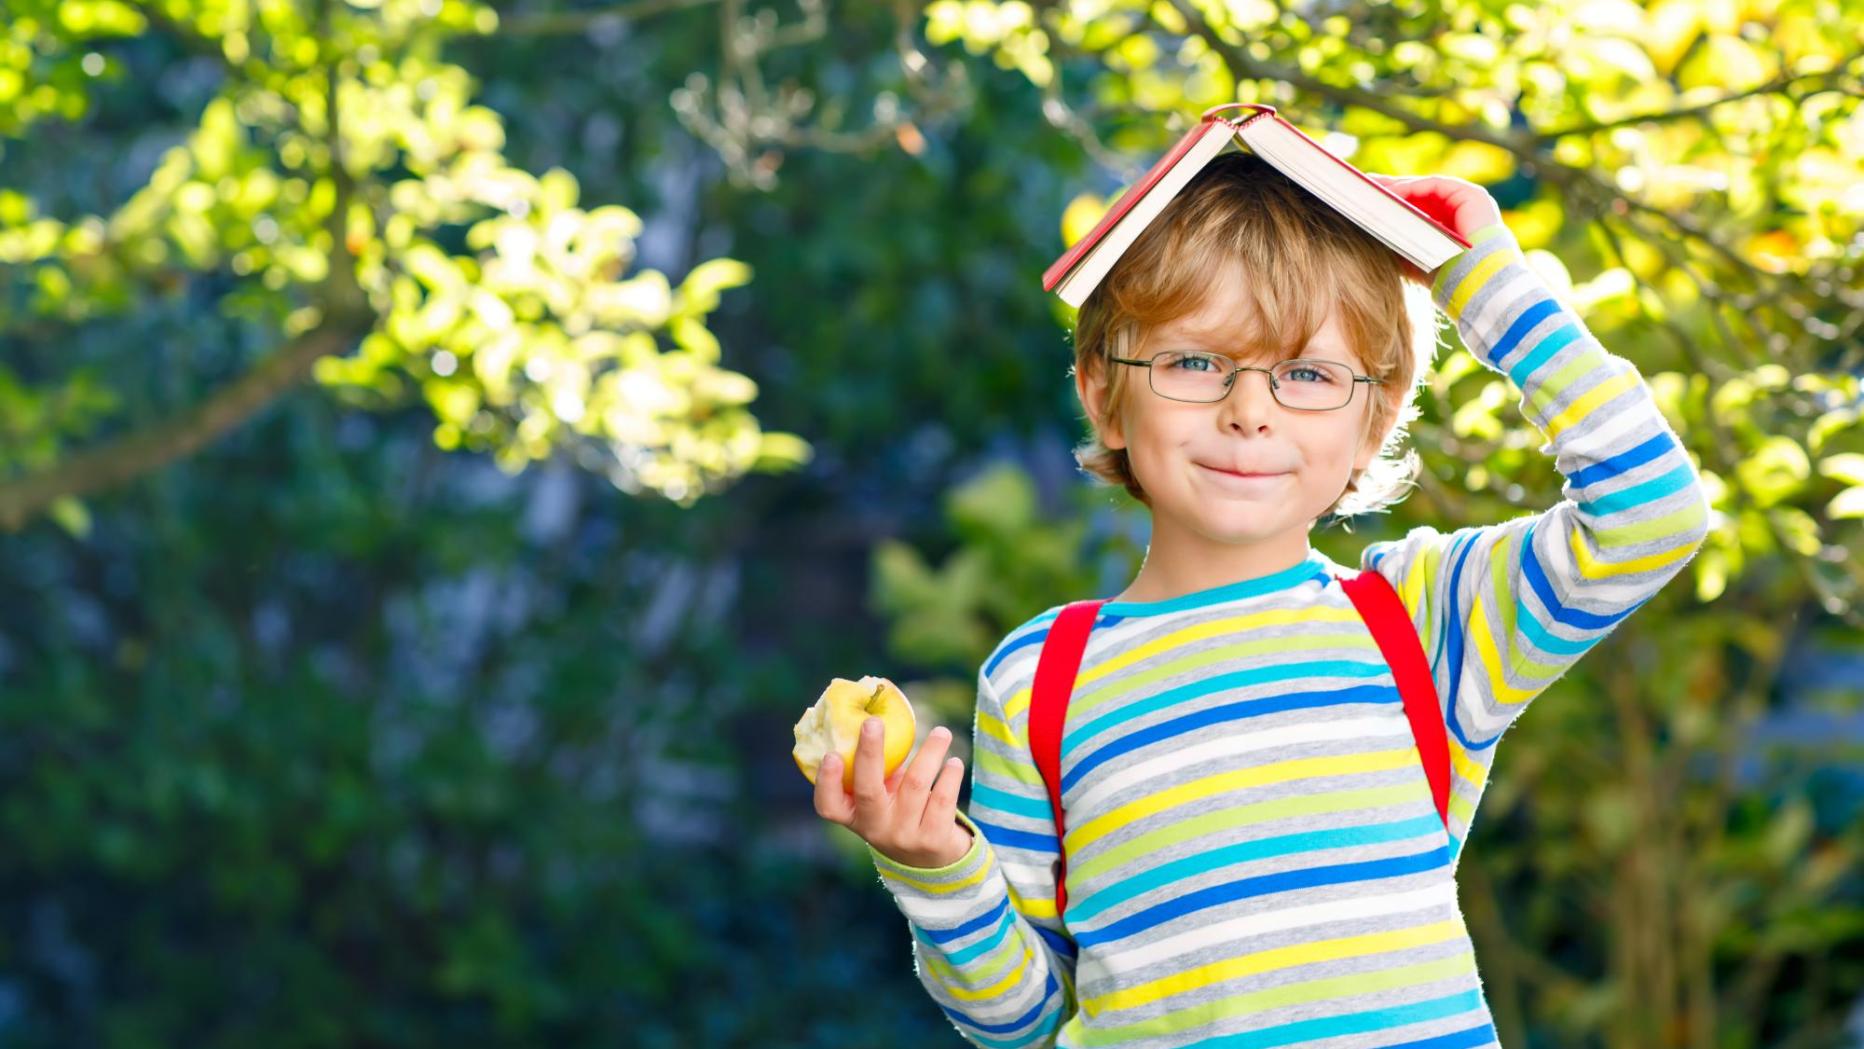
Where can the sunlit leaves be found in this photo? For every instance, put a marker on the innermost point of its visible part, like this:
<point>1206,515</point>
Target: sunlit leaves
<point>1006,30</point>
<point>539,343</point>
<point>540,338</point>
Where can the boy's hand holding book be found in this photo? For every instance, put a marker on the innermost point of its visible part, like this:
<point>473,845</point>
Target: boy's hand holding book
<point>1459,204</point>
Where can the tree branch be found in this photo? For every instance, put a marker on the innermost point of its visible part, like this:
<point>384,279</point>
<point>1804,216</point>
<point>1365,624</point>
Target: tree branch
<point>1241,65</point>
<point>346,319</point>
<point>1833,80</point>
<point>111,464</point>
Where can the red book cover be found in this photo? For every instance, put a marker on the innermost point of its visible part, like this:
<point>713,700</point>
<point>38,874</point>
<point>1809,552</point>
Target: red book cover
<point>1058,269</point>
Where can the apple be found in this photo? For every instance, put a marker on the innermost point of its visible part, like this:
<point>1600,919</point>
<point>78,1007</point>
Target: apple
<point>833,726</point>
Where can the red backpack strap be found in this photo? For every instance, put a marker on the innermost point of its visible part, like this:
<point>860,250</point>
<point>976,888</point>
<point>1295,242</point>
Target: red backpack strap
<point>1384,612</point>
<point>1056,670</point>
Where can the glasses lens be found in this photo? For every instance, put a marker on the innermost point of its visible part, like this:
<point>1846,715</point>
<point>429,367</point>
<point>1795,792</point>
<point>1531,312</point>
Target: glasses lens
<point>1313,384</point>
<point>1190,376</point>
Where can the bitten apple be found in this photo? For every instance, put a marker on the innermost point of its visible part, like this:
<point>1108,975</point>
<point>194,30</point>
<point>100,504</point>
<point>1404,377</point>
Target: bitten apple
<point>833,726</point>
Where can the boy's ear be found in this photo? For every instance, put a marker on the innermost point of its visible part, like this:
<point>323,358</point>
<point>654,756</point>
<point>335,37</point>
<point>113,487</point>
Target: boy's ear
<point>1090,385</point>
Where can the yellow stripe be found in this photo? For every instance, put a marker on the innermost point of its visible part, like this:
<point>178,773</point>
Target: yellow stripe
<point>1230,818</point>
<point>944,888</point>
<point>1010,979</point>
<point>1416,590</point>
<point>1504,693</point>
<point>1552,387</point>
<point>1232,626</point>
<point>1594,397</point>
<point>1193,1015</point>
<point>1591,567</point>
<point>1466,767</point>
<point>1462,808</point>
<point>1084,835</point>
<point>1019,700</point>
<point>1040,907</point>
<point>1630,532</point>
<point>989,726</point>
<point>1473,280</point>
<point>1258,962</point>
<point>1162,667</point>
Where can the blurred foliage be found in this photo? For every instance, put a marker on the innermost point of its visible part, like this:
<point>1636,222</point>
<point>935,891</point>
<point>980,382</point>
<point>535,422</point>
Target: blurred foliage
<point>447,753</point>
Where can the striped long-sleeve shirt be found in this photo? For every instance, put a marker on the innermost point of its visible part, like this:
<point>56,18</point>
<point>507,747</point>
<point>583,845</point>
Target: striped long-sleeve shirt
<point>1254,858</point>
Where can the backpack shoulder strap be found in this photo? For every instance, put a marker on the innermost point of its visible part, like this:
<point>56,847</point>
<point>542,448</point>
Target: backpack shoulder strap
<point>1056,669</point>
<point>1384,612</point>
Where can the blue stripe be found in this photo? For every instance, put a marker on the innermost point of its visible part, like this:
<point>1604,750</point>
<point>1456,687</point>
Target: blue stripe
<point>1526,322</point>
<point>941,937</point>
<point>1247,852</point>
<point>1530,627</point>
<point>984,796</point>
<point>1060,944</point>
<point>1356,1023</point>
<point>1543,352</point>
<point>1655,448</point>
<point>1263,885</point>
<point>1305,571</point>
<point>1254,708</point>
<point>1373,667</point>
<point>1516,332</point>
<point>963,956</point>
<point>1453,632</point>
<point>1646,492</point>
<point>1479,1035</point>
<point>1046,1001</point>
<point>1161,702</point>
<point>1008,648</point>
<point>1543,588</point>
<point>1009,838</point>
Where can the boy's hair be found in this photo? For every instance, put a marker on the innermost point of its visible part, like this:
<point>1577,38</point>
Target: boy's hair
<point>1240,209</point>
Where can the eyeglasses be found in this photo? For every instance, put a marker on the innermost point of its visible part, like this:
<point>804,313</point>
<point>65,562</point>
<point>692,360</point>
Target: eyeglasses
<point>1305,385</point>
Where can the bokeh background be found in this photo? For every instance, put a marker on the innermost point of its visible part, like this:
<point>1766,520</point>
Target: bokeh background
<point>445,445</point>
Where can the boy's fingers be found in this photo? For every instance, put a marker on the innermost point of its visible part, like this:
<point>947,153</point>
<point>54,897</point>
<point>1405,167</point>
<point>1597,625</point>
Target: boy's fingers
<point>832,801</point>
<point>870,794</point>
<point>920,772</point>
<point>942,807</point>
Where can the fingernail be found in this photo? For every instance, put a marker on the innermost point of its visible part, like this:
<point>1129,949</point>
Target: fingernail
<point>870,726</point>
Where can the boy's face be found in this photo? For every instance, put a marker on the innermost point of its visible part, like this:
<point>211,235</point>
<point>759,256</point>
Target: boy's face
<point>1176,447</point>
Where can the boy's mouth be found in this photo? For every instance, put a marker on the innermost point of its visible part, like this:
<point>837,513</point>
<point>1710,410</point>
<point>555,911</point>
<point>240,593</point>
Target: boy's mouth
<point>1242,473</point>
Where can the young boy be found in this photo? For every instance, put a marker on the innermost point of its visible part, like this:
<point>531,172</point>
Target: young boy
<point>1254,857</point>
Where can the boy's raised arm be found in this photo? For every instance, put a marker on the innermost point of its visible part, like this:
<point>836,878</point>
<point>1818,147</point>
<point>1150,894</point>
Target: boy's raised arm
<point>1504,610</point>
<point>986,942</point>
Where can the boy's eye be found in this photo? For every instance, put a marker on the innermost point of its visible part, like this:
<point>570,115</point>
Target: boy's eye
<point>1189,362</point>
<point>1307,373</point>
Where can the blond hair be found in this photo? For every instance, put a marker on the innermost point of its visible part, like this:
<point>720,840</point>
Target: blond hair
<point>1241,210</point>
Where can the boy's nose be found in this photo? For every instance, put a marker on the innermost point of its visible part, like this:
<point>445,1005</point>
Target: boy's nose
<point>1250,400</point>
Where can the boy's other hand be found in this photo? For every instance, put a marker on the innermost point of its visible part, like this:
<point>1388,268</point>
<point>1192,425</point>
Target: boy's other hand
<point>912,817</point>
<point>1457,203</point>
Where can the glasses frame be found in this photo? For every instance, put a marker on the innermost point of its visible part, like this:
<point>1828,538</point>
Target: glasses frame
<point>1229,381</point>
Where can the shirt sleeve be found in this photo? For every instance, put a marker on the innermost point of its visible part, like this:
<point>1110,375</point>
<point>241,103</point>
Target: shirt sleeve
<point>1504,610</point>
<point>986,942</point>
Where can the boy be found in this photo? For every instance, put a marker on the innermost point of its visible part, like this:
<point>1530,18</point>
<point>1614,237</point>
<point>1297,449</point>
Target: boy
<point>1254,857</point>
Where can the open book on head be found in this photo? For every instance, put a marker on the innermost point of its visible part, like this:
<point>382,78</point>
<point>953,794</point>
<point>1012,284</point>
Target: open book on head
<point>1260,129</point>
